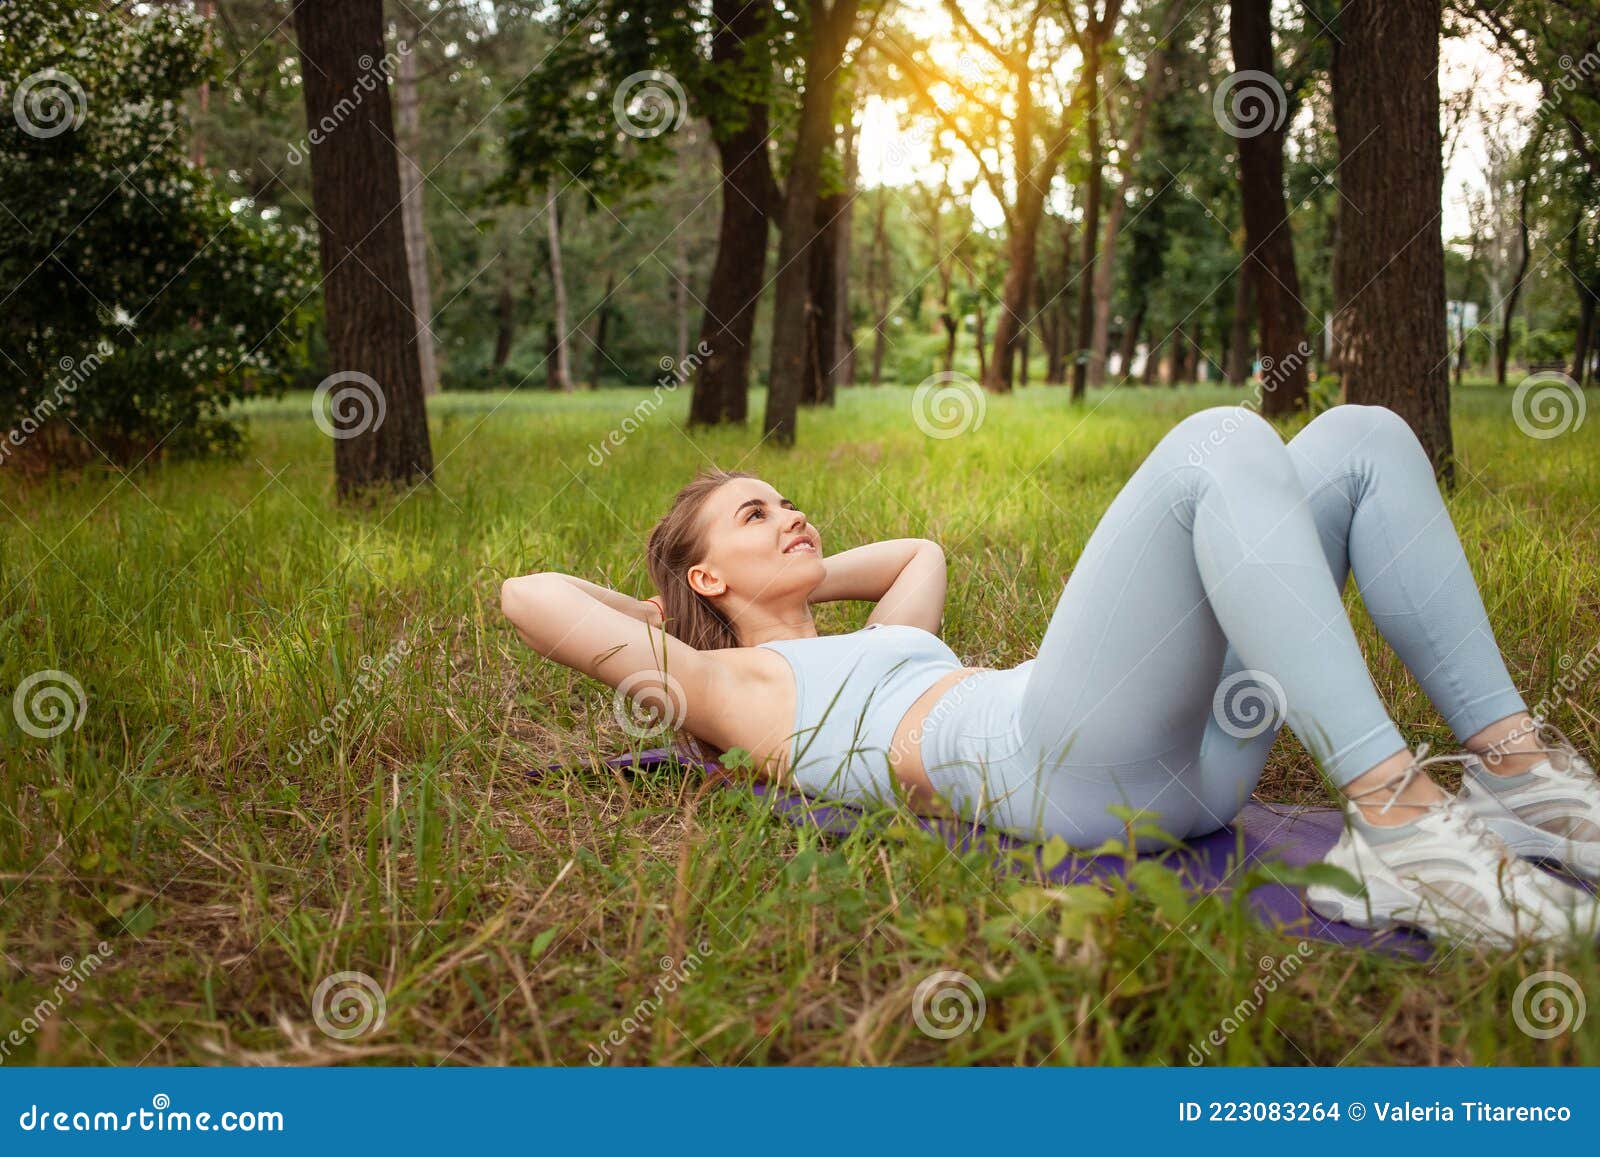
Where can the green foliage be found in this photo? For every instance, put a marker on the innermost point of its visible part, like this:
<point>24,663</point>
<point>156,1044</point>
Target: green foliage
<point>219,621</point>
<point>140,300</point>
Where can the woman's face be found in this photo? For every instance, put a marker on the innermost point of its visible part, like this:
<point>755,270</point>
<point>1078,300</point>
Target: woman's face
<point>759,545</point>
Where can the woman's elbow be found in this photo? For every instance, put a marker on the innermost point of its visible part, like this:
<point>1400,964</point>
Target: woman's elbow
<point>516,594</point>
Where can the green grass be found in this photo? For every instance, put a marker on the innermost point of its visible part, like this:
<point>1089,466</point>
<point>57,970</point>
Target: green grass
<point>214,612</point>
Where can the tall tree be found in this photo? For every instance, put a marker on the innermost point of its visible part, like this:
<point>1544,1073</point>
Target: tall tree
<point>1150,91</point>
<point>1269,241</point>
<point>1018,127</point>
<point>1389,260</point>
<point>736,93</point>
<point>408,140</point>
<point>1090,31</point>
<point>831,27</point>
<point>355,189</point>
<point>561,370</point>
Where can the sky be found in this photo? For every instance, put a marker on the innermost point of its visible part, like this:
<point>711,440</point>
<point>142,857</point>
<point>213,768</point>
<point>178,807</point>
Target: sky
<point>889,154</point>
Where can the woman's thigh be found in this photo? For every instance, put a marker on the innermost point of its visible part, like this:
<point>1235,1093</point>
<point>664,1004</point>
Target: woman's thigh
<point>1121,690</point>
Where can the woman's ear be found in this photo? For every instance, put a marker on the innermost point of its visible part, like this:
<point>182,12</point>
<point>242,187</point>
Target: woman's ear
<point>704,582</point>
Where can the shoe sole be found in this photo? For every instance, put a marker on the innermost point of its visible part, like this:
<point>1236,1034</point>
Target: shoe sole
<point>1386,907</point>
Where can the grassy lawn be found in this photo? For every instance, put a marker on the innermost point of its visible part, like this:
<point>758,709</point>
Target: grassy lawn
<point>230,856</point>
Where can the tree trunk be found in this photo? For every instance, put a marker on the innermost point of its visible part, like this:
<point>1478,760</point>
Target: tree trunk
<point>1130,341</point>
<point>1154,85</point>
<point>1238,363</point>
<point>1586,298</point>
<point>1269,241</point>
<point>831,27</point>
<point>1152,360</point>
<point>505,321</point>
<point>822,331</point>
<point>406,138</point>
<point>680,305</point>
<point>878,286</point>
<point>1583,355</point>
<point>977,323</point>
<point>1020,254</point>
<point>355,191</point>
<point>602,322</point>
<point>1093,181</point>
<point>738,272</point>
<point>1502,355</point>
<point>1389,262</point>
<point>844,333</point>
<point>558,290</point>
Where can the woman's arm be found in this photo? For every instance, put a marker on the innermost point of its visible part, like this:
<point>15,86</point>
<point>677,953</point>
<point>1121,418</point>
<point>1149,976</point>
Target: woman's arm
<point>642,609</point>
<point>904,576</point>
<point>560,620</point>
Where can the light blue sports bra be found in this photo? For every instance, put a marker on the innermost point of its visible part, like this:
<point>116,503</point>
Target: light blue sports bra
<point>851,691</point>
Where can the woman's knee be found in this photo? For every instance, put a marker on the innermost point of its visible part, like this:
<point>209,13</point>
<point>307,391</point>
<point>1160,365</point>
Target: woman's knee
<point>1233,434</point>
<point>1352,425</point>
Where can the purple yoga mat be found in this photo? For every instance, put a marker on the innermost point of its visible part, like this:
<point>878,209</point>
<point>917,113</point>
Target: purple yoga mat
<point>1292,836</point>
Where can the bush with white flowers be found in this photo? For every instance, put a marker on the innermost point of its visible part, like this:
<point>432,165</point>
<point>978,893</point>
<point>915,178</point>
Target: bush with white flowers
<point>137,300</point>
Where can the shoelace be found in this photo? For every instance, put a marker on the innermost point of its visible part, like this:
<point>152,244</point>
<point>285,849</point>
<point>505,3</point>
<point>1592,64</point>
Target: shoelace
<point>1571,760</point>
<point>1446,813</point>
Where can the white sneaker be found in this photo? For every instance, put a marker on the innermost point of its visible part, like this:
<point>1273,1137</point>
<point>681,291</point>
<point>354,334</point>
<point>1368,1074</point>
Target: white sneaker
<point>1551,811</point>
<point>1445,873</point>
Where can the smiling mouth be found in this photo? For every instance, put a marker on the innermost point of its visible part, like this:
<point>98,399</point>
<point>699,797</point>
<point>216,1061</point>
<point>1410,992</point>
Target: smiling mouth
<point>804,545</point>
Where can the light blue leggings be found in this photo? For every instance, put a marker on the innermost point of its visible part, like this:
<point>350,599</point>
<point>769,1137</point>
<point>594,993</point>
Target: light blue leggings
<point>1205,612</point>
